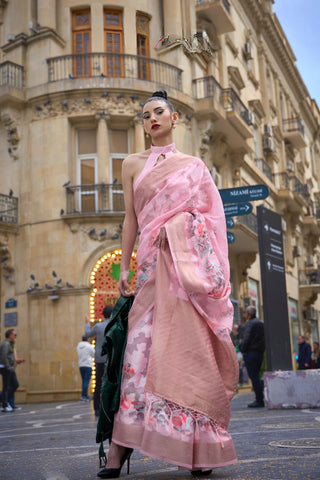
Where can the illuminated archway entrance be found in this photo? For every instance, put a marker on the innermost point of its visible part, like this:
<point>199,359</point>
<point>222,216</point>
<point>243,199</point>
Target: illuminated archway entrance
<point>104,280</point>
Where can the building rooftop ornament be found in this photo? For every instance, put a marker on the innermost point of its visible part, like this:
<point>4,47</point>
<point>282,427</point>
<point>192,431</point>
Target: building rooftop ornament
<point>198,44</point>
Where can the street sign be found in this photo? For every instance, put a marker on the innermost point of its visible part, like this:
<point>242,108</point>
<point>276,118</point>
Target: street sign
<point>274,291</point>
<point>230,237</point>
<point>244,194</point>
<point>11,303</point>
<point>230,222</point>
<point>10,319</point>
<point>237,209</point>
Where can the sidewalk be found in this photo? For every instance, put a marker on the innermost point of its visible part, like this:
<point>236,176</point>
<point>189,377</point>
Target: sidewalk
<point>56,441</point>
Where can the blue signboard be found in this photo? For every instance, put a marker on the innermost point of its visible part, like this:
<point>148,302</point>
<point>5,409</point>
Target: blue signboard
<point>244,194</point>
<point>237,209</point>
<point>230,237</point>
<point>11,303</point>
<point>10,319</point>
<point>230,222</point>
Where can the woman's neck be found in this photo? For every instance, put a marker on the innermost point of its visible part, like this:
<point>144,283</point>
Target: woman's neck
<point>162,142</point>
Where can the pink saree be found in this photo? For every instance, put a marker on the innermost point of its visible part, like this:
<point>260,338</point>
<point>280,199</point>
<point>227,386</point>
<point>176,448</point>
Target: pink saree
<point>180,368</point>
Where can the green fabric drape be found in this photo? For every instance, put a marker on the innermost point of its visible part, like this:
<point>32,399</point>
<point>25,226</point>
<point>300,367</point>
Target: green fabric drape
<point>114,344</point>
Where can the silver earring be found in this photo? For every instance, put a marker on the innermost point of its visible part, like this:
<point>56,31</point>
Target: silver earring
<point>147,135</point>
<point>173,125</point>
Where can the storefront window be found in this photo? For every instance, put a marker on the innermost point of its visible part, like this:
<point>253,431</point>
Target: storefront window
<point>294,322</point>
<point>254,294</point>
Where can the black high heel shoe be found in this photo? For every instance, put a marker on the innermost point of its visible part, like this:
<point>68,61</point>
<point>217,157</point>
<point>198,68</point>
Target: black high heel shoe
<point>200,473</point>
<point>115,472</point>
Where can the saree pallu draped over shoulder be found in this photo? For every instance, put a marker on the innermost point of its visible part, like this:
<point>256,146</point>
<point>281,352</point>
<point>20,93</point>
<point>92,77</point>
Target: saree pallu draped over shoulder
<point>180,367</point>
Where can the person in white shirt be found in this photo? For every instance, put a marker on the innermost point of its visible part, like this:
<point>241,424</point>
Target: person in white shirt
<point>85,353</point>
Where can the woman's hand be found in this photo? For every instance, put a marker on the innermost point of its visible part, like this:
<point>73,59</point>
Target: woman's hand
<point>124,287</point>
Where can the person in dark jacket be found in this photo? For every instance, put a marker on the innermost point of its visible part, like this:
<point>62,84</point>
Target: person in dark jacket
<point>315,357</point>
<point>7,364</point>
<point>304,358</point>
<point>252,347</point>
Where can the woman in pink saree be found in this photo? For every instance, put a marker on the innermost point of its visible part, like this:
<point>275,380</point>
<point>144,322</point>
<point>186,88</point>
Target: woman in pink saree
<point>180,369</point>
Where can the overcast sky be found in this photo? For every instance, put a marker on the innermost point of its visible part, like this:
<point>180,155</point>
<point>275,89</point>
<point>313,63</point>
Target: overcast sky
<point>300,21</point>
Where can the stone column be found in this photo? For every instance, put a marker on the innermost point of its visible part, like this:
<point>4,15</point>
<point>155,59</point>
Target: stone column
<point>139,141</point>
<point>172,17</point>
<point>103,148</point>
<point>97,42</point>
<point>47,13</point>
<point>129,26</point>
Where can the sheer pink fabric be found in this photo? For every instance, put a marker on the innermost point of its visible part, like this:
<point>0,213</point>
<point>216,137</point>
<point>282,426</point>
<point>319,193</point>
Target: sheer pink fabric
<point>180,368</point>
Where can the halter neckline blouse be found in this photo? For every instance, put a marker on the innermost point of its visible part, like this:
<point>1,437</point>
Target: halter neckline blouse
<point>156,151</point>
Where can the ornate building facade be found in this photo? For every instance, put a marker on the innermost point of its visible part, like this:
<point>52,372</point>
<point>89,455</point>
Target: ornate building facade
<point>73,77</point>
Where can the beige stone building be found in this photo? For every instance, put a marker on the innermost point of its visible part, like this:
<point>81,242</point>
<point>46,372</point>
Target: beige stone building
<point>73,75</point>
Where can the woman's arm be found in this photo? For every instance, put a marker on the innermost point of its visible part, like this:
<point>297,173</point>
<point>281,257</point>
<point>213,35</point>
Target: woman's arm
<point>130,226</point>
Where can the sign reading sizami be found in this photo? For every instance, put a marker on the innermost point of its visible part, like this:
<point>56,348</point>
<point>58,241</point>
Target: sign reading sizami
<point>244,194</point>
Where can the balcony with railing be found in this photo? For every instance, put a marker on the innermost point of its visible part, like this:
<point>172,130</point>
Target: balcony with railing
<point>298,187</point>
<point>237,113</point>
<point>250,221</point>
<point>95,199</point>
<point>309,285</point>
<point>246,235</point>
<point>218,12</point>
<point>8,210</point>
<point>292,190</point>
<point>293,131</point>
<point>11,81</point>
<point>208,93</point>
<point>282,180</point>
<point>115,66</point>
<point>264,167</point>
<point>309,277</point>
<point>225,107</point>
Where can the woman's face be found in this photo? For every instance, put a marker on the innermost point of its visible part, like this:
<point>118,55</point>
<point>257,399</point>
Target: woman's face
<point>158,119</point>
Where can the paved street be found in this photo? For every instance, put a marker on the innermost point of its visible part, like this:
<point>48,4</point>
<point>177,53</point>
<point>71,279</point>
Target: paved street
<point>56,441</point>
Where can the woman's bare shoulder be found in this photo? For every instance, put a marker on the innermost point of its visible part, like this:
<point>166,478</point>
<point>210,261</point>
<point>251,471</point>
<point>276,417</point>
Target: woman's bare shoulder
<point>134,157</point>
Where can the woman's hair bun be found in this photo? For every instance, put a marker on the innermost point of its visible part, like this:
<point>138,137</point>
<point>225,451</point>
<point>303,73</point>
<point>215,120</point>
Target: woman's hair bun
<point>161,94</point>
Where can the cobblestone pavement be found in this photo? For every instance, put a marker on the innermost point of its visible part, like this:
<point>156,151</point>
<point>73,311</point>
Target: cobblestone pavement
<point>56,441</point>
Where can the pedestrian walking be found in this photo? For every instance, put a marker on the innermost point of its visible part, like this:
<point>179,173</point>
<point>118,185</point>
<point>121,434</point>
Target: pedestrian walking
<point>7,368</point>
<point>252,347</point>
<point>18,360</point>
<point>180,368</point>
<point>85,354</point>
<point>315,357</point>
<point>304,355</point>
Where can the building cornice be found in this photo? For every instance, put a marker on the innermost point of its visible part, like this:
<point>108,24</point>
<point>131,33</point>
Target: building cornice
<point>22,39</point>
